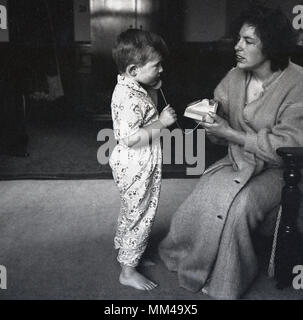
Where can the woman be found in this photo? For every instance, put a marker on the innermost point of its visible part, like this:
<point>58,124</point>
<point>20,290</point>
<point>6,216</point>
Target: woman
<point>210,239</point>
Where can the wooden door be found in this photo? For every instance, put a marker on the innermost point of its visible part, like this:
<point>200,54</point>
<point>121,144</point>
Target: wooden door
<point>148,15</point>
<point>108,19</point>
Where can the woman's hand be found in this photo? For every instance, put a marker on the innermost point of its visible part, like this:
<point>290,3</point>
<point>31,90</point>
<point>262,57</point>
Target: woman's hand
<point>220,128</point>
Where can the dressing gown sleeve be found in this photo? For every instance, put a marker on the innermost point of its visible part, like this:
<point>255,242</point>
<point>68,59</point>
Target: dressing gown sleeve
<point>287,132</point>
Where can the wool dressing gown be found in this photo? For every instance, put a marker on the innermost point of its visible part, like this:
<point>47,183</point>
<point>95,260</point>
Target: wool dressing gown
<point>209,243</point>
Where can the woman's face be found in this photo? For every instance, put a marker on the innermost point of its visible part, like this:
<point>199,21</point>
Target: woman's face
<point>249,54</point>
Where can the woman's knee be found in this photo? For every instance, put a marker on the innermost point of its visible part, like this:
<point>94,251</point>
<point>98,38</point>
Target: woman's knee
<point>250,209</point>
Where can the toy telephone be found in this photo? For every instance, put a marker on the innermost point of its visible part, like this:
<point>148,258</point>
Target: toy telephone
<point>198,110</point>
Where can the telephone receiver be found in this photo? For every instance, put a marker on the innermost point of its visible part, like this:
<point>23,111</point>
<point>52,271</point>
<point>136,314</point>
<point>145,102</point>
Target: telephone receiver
<point>152,90</point>
<point>158,85</point>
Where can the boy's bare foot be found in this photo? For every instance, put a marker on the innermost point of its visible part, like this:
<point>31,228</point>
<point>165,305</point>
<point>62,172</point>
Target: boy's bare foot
<point>129,276</point>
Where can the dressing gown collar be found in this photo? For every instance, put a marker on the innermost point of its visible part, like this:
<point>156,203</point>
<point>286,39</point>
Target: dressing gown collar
<point>267,82</point>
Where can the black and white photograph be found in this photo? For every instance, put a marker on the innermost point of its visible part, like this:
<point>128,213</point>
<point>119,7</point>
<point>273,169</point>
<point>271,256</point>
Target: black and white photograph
<point>151,150</point>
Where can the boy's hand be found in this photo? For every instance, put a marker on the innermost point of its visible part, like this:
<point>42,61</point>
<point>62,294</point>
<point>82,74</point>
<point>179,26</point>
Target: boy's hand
<point>168,116</point>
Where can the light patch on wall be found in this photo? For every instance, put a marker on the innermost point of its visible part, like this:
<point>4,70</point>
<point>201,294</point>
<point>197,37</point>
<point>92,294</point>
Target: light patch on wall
<point>144,6</point>
<point>124,6</point>
<point>113,6</point>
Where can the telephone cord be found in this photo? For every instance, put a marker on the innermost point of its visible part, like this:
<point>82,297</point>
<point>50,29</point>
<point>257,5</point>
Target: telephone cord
<point>188,132</point>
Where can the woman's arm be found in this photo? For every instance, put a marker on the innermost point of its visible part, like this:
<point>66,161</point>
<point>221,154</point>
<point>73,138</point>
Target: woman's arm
<point>221,128</point>
<point>288,132</point>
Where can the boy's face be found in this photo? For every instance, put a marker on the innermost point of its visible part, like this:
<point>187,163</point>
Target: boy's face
<point>149,73</point>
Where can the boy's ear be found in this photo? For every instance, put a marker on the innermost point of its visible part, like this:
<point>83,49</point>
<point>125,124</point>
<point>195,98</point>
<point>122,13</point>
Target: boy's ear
<point>132,70</point>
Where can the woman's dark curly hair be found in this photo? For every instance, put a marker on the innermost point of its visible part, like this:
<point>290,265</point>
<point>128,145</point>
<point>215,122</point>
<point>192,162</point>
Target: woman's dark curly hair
<point>274,30</point>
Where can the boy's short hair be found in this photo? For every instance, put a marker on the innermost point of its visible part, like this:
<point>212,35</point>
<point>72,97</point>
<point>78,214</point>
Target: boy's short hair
<point>135,46</point>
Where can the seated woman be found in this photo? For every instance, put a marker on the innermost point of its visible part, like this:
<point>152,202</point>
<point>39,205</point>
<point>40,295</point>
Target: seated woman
<point>209,243</point>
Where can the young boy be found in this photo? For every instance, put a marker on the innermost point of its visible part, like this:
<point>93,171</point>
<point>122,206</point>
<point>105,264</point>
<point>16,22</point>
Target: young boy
<point>136,161</point>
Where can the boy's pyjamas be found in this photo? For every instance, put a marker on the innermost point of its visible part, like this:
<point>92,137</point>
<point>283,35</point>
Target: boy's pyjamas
<point>136,171</point>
